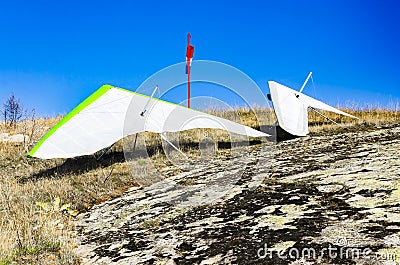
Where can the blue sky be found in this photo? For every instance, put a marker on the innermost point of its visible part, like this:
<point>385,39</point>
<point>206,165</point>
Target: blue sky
<point>53,54</point>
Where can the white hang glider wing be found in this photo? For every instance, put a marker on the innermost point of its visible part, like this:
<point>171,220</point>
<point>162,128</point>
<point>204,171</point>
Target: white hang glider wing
<point>291,108</point>
<point>108,115</point>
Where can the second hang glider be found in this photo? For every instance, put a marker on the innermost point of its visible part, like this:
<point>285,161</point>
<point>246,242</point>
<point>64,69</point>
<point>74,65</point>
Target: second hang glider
<point>291,108</point>
<point>112,113</point>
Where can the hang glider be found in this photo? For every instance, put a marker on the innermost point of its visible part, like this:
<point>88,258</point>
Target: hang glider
<point>291,108</point>
<point>108,116</point>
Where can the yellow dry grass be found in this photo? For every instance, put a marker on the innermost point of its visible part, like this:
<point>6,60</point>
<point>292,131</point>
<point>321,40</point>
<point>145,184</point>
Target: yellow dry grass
<point>367,119</point>
<point>33,234</point>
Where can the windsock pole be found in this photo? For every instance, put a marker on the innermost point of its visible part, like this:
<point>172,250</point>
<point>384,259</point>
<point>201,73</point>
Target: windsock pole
<point>188,87</point>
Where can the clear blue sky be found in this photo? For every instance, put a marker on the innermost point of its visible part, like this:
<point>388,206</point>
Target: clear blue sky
<point>53,54</point>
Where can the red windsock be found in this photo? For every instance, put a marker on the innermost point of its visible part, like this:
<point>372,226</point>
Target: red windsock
<point>189,54</point>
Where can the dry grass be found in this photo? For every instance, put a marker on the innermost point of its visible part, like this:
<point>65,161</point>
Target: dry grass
<point>367,119</point>
<point>30,234</point>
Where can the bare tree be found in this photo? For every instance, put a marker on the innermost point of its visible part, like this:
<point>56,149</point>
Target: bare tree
<point>12,110</point>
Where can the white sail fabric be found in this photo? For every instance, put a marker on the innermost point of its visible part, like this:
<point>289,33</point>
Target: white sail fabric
<point>291,108</point>
<point>292,114</point>
<point>108,115</point>
<point>316,104</point>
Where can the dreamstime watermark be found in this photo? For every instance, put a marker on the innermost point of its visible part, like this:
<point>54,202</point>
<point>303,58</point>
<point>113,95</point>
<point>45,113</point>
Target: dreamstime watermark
<point>224,86</point>
<point>341,250</point>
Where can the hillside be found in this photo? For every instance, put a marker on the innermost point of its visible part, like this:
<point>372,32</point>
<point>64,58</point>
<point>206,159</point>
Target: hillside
<point>43,201</point>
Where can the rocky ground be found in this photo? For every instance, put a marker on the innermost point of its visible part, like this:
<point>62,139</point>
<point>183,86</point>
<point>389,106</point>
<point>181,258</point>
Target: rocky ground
<point>315,200</point>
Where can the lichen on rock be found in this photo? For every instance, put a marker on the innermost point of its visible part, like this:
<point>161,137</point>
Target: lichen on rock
<point>338,190</point>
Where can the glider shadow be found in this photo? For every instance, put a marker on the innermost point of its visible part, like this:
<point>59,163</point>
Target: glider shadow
<point>83,164</point>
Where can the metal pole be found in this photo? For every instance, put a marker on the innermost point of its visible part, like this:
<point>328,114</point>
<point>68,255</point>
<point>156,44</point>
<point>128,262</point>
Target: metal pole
<point>148,101</point>
<point>305,82</point>
<point>324,116</point>
<point>164,137</point>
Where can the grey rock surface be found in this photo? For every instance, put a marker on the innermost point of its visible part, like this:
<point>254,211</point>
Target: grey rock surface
<point>331,199</point>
